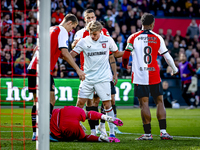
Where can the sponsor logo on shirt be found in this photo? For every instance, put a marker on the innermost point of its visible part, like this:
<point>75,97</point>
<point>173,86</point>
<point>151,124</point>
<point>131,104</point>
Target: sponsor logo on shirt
<point>97,53</point>
<point>67,43</point>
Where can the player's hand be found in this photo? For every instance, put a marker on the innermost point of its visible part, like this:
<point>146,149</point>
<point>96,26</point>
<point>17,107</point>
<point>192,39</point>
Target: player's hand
<point>125,63</point>
<point>81,74</point>
<point>173,73</point>
<point>115,79</point>
<point>75,42</point>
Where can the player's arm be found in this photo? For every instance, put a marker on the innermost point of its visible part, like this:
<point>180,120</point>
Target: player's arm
<point>114,68</point>
<point>127,52</point>
<point>73,54</point>
<point>66,56</point>
<point>170,62</point>
<point>118,54</point>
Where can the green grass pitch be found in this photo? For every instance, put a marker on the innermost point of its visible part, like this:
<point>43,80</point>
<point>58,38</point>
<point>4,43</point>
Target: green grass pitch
<point>183,124</point>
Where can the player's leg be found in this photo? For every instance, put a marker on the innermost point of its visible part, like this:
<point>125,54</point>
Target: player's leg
<point>104,92</point>
<point>142,92</point>
<point>113,92</point>
<point>96,101</point>
<point>32,89</point>
<point>52,94</point>
<point>89,107</point>
<point>157,94</point>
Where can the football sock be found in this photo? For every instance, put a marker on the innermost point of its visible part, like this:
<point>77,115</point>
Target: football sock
<point>33,116</point>
<point>162,125</point>
<point>103,112</point>
<point>147,128</point>
<point>92,138</point>
<point>96,121</point>
<point>51,109</point>
<point>115,110</point>
<point>93,115</point>
<point>110,112</point>
<point>91,122</point>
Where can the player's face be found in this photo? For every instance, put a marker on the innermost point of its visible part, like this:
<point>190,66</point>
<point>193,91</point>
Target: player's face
<point>95,35</point>
<point>90,17</point>
<point>73,26</point>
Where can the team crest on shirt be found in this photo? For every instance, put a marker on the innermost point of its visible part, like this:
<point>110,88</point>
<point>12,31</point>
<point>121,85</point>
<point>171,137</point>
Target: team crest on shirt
<point>104,45</point>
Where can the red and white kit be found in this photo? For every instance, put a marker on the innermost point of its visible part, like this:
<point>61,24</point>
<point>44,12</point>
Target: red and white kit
<point>145,46</point>
<point>59,39</point>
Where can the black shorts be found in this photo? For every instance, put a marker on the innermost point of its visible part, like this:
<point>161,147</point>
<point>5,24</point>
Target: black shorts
<point>32,77</point>
<point>113,91</point>
<point>145,90</point>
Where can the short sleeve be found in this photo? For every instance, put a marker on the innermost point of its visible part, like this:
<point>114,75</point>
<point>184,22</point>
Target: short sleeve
<point>78,35</point>
<point>63,38</point>
<point>78,48</point>
<point>113,47</point>
<point>163,49</point>
<point>129,45</point>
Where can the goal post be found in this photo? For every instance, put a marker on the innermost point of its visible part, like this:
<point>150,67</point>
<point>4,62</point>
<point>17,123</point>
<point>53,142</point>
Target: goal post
<point>43,91</point>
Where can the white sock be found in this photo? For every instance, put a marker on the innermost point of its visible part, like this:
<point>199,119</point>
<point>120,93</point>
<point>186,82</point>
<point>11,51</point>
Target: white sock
<point>110,112</point>
<point>163,131</point>
<point>102,124</point>
<point>103,117</point>
<point>96,127</point>
<point>93,130</point>
<point>99,139</point>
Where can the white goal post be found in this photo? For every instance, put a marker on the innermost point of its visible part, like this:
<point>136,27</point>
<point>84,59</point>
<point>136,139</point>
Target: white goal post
<point>43,91</point>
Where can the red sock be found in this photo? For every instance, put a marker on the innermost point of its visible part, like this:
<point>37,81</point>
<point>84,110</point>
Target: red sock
<point>91,138</point>
<point>93,115</point>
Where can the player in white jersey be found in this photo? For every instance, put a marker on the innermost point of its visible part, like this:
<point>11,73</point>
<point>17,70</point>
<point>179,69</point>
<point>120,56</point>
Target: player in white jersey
<point>145,46</point>
<point>96,49</point>
<point>89,15</point>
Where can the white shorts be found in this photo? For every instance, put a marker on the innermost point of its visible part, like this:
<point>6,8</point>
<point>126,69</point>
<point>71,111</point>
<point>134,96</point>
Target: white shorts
<point>86,90</point>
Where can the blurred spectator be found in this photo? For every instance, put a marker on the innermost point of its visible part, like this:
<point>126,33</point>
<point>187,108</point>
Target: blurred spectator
<point>6,64</point>
<point>109,17</point>
<point>186,72</point>
<point>21,68</point>
<point>22,55</point>
<point>58,15</point>
<point>191,12</point>
<point>167,95</point>
<point>63,72</point>
<point>193,29</point>
<point>98,15</point>
<point>109,26</point>
<point>130,20</point>
<point>119,43</point>
<point>153,6</point>
<point>188,4</point>
<point>175,50</point>
<point>120,19</point>
<point>144,6</point>
<point>6,25</point>
<point>125,34</point>
<point>161,33</point>
<point>188,52</point>
<point>124,5</point>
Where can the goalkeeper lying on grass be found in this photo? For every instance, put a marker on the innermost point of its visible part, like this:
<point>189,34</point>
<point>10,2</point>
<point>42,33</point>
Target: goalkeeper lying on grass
<point>65,125</point>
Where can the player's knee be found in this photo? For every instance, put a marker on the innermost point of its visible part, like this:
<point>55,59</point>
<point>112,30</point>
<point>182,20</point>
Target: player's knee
<point>80,103</point>
<point>107,104</point>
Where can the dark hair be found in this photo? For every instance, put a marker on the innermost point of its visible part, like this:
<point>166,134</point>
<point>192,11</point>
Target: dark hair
<point>71,17</point>
<point>87,11</point>
<point>147,19</point>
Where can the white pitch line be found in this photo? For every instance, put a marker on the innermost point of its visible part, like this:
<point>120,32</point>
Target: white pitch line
<point>158,135</point>
<point>185,137</point>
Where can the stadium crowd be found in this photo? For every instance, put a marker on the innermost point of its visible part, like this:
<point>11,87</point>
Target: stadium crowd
<point>121,18</point>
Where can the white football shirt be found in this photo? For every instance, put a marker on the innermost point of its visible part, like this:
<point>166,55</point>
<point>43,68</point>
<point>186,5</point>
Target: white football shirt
<point>96,56</point>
